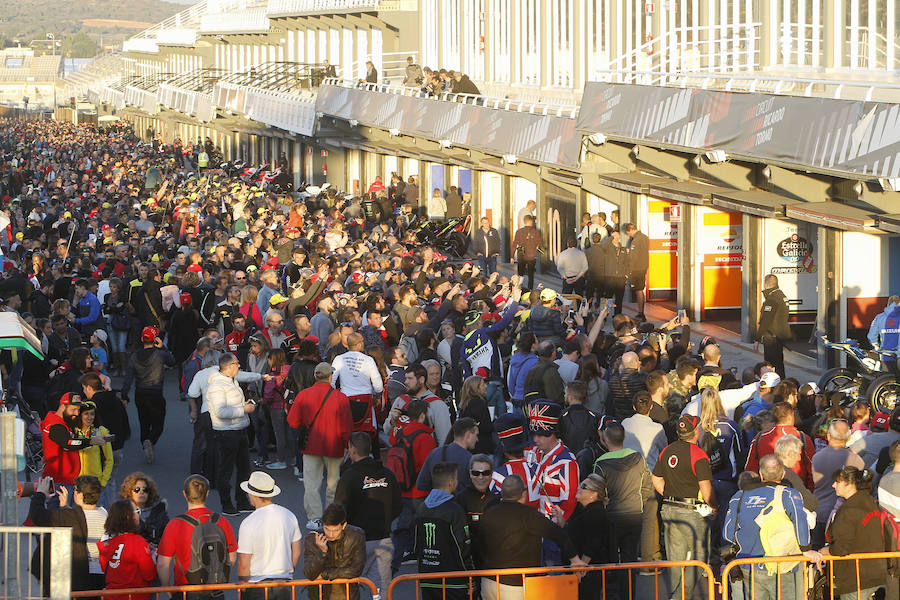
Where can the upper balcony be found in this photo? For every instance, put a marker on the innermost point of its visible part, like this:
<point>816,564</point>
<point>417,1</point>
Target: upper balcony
<point>290,8</point>
<point>247,20</point>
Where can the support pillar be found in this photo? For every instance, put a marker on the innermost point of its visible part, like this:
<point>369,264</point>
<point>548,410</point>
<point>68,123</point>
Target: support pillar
<point>686,275</point>
<point>828,316</point>
<point>751,276</point>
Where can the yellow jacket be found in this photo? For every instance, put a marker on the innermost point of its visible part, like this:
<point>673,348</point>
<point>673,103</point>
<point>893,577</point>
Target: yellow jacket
<point>91,463</point>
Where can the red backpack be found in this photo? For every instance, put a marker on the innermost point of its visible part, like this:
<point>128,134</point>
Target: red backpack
<point>400,460</point>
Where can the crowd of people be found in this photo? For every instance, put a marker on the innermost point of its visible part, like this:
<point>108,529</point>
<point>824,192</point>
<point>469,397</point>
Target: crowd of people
<point>436,411</point>
<point>436,82</point>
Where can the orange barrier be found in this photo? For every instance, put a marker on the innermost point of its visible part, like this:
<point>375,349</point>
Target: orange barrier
<point>725,584</point>
<point>538,587</point>
<point>239,587</point>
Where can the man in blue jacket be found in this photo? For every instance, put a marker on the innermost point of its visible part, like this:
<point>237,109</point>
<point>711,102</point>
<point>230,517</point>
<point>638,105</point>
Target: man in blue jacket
<point>744,524</point>
<point>87,307</point>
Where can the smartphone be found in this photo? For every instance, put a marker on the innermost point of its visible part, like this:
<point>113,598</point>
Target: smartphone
<point>681,314</point>
<point>52,486</point>
<point>110,437</point>
<point>610,304</point>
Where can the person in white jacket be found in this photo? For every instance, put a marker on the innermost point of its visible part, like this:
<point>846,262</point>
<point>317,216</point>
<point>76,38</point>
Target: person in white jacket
<point>202,457</point>
<point>229,412</point>
<point>357,376</point>
<point>437,206</point>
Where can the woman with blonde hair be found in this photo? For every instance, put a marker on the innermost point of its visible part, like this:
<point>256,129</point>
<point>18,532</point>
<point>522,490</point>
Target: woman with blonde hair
<point>721,440</point>
<point>249,308</point>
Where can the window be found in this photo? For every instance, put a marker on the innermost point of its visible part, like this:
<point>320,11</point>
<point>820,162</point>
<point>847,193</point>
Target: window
<point>15,62</point>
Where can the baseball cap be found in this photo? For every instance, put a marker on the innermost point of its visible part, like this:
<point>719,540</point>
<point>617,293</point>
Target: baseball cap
<point>195,269</point>
<point>101,335</point>
<point>880,422</point>
<point>70,399</point>
<point>547,295</point>
<point>771,379</point>
<point>149,333</point>
<point>323,368</point>
<point>277,299</point>
<point>687,424</point>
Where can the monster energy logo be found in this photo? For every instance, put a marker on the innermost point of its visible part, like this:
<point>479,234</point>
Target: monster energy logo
<point>430,534</point>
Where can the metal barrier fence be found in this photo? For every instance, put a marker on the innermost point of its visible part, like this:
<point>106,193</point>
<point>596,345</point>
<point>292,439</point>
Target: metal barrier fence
<point>784,584</point>
<point>563,583</point>
<point>37,563</point>
<point>180,591</point>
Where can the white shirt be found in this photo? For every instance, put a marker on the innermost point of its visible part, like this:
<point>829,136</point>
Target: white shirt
<point>571,262</point>
<point>731,399</point>
<point>358,374</point>
<point>266,535</point>
<point>200,383</point>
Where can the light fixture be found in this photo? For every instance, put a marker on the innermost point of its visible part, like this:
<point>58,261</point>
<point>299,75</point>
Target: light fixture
<point>394,131</point>
<point>510,159</point>
<point>767,173</point>
<point>716,156</point>
<point>445,143</point>
<point>858,188</point>
<point>353,122</point>
<point>597,138</point>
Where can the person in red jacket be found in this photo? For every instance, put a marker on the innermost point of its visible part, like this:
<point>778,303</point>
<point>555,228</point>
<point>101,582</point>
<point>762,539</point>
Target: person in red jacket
<point>412,426</point>
<point>124,555</point>
<point>325,411</point>
<point>61,443</point>
<point>764,443</point>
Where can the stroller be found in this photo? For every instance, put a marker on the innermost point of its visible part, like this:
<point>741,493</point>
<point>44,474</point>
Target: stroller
<point>34,450</point>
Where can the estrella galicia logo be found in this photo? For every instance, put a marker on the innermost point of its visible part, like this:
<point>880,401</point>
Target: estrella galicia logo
<point>794,249</point>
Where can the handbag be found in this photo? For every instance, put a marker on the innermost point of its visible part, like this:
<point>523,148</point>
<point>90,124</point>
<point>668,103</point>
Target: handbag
<point>303,430</point>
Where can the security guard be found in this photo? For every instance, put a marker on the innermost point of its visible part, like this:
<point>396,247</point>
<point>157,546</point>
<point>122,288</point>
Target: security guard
<point>773,328</point>
<point>683,477</point>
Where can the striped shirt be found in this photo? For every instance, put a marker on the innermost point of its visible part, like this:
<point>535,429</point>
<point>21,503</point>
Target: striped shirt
<point>96,518</point>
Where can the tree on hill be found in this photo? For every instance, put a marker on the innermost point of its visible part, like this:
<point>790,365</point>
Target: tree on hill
<point>80,45</point>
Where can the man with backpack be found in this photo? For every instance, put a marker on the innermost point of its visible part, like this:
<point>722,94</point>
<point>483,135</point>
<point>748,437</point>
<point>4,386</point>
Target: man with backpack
<point>411,443</point>
<point>438,411</point>
<point>185,537</point>
<point>755,517</point>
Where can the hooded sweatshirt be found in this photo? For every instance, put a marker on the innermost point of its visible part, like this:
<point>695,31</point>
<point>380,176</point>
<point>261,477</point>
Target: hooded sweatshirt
<point>519,365</point>
<point>628,481</point>
<point>441,538</point>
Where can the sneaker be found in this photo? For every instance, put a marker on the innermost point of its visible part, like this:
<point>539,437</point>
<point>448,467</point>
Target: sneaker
<point>148,452</point>
<point>260,462</point>
<point>230,511</point>
<point>278,465</point>
<point>297,471</point>
<point>314,524</point>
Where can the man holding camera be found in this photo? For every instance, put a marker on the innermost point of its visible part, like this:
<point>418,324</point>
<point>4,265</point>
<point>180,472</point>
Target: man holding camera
<point>147,369</point>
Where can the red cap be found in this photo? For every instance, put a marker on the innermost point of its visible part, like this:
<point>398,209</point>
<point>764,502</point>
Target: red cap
<point>483,372</point>
<point>186,298</point>
<point>880,421</point>
<point>70,399</point>
<point>149,333</point>
<point>195,269</point>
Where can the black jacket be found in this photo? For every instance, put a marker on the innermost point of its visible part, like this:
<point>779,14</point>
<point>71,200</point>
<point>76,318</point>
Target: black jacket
<point>853,530</point>
<point>371,496</point>
<point>345,559</point>
<point>773,316</point>
<point>474,503</point>
<point>543,381</point>
<point>593,533</point>
<point>622,388</point>
<point>577,426</point>
<point>546,322</point>
<point>511,535</point>
<point>111,414</point>
<point>477,409</point>
<point>486,242</point>
<point>155,522</point>
<point>60,517</point>
<point>617,262</point>
<point>442,541</point>
<point>147,368</point>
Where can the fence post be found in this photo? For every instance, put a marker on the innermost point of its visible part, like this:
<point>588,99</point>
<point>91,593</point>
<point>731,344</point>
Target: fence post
<point>61,563</point>
<point>8,470</point>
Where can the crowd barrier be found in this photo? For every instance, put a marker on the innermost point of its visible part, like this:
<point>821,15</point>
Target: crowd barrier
<point>180,591</point>
<point>622,580</point>
<point>564,585</point>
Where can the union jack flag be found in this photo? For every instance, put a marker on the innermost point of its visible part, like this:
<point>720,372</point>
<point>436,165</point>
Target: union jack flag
<point>557,479</point>
<point>543,415</point>
<point>527,471</point>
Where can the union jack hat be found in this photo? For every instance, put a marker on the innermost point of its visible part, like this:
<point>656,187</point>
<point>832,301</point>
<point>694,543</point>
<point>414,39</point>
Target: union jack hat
<point>543,416</point>
<point>511,431</point>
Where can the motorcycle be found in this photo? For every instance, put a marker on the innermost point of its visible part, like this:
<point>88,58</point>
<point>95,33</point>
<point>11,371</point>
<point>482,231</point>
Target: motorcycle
<point>451,238</point>
<point>865,377</point>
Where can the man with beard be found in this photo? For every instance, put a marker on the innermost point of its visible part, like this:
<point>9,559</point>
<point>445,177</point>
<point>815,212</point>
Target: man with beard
<point>62,461</point>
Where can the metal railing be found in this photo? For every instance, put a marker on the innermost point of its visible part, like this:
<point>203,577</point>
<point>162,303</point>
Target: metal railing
<point>798,86</point>
<point>725,581</point>
<point>391,66</point>
<point>177,590</point>
<point>179,28</point>
<point>47,550</point>
<point>604,573</point>
<point>535,108</point>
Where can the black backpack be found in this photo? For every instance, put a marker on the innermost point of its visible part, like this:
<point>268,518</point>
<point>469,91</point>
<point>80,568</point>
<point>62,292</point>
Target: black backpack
<point>209,552</point>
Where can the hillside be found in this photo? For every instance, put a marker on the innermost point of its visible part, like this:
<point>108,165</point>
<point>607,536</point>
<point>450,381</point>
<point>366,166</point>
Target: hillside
<point>26,20</point>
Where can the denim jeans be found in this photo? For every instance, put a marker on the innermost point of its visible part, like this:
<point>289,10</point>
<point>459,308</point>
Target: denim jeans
<point>761,586</point>
<point>687,538</point>
<point>379,554</point>
<point>487,264</point>
<point>118,340</point>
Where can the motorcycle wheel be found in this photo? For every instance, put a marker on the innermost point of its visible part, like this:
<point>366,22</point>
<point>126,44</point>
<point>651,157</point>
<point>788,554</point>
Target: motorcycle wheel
<point>458,244</point>
<point>883,393</point>
<point>840,380</point>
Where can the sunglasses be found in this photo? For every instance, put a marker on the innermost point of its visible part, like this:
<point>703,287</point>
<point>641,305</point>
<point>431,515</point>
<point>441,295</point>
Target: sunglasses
<point>241,278</point>
<point>139,490</point>
<point>481,473</point>
<point>584,486</point>
<point>347,324</point>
